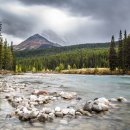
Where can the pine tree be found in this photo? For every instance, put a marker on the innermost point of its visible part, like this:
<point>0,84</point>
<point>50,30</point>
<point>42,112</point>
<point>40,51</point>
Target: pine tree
<point>125,51</point>
<point>128,53</point>
<point>1,46</point>
<point>5,55</point>
<point>112,55</point>
<point>120,52</point>
<point>13,58</point>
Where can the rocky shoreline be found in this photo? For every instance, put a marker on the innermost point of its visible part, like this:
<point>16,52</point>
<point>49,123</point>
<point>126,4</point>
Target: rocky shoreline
<point>26,108</point>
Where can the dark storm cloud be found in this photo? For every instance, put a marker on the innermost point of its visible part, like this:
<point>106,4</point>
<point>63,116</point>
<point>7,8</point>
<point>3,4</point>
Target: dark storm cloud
<point>97,8</point>
<point>114,13</point>
<point>15,25</point>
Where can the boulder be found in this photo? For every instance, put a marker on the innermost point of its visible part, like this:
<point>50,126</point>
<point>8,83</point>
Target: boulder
<point>102,100</point>
<point>99,107</point>
<point>42,117</point>
<point>51,116</point>
<point>88,106</point>
<point>58,114</point>
<point>121,99</point>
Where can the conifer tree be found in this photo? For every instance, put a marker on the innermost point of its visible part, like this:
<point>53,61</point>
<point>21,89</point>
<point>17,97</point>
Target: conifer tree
<point>125,51</point>
<point>128,53</point>
<point>112,55</point>
<point>1,46</point>
<point>13,58</point>
<point>5,55</point>
<point>120,52</point>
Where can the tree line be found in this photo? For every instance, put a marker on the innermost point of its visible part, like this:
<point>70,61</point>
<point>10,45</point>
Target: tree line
<point>119,58</point>
<point>7,57</point>
<point>74,59</point>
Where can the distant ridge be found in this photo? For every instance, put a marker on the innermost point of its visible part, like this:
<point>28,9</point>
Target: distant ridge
<point>34,42</point>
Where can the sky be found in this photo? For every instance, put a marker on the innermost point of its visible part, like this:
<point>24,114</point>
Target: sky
<point>75,21</point>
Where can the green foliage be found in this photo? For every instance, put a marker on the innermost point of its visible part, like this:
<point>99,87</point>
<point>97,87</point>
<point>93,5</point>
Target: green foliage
<point>68,67</point>
<point>1,49</point>
<point>112,55</point>
<point>120,52</point>
<point>128,54</point>
<point>69,59</point>
<point>6,56</point>
<point>60,67</point>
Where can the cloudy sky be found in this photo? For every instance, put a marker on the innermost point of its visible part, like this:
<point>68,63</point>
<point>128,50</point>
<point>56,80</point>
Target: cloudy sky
<point>76,21</point>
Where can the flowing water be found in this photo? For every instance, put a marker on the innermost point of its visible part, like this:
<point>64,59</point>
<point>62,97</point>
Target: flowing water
<point>88,87</point>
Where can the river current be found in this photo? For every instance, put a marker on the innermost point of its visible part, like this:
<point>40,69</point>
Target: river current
<point>87,87</point>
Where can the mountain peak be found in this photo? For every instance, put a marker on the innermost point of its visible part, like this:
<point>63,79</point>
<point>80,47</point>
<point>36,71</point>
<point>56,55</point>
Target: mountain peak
<point>34,42</point>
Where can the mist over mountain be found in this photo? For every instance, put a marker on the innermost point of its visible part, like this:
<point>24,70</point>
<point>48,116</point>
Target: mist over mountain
<point>34,42</point>
<point>54,37</point>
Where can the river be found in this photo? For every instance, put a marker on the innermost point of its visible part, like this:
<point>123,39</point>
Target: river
<point>87,87</point>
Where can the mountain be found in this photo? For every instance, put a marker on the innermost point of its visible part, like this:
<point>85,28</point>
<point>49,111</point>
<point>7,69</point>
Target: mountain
<point>34,42</point>
<point>53,37</point>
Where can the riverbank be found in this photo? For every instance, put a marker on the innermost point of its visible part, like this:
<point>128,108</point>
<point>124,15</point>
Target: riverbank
<point>87,87</point>
<point>87,71</point>
<point>6,72</point>
<point>93,71</point>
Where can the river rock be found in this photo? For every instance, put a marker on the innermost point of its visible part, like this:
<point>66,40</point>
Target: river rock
<point>40,92</point>
<point>99,107</point>
<point>78,113</point>
<point>67,95</point>
<point>51,116</point>
<point>65,111</point>
<point>42,117</point>
<point>48,110</point>
<point>34,114</point>
<point>121,99</point>
<point>58,114</point>
<point>33,98</point>
<point>88,106</point>
<point>57,109</point>
<point>18,100</point>
<point>83,112</point>
<point>71,112</point>
<point>102,100</point>
<point>113,100</point>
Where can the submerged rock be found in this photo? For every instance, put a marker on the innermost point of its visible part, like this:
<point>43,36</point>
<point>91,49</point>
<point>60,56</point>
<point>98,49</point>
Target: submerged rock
<point>64,122</point>
<point>121,99</point>
<point>67,95</point>
<point>40,92</point>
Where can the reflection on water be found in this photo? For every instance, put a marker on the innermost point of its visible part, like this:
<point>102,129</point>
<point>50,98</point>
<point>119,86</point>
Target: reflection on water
<point>87,87</point>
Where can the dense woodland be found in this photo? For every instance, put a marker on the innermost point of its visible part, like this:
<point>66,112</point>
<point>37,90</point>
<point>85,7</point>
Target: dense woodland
<point>101,55</point>
<point>78,58</point>
<point>7,57</point>
<point>120,58</point>
<point>114,55</point>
